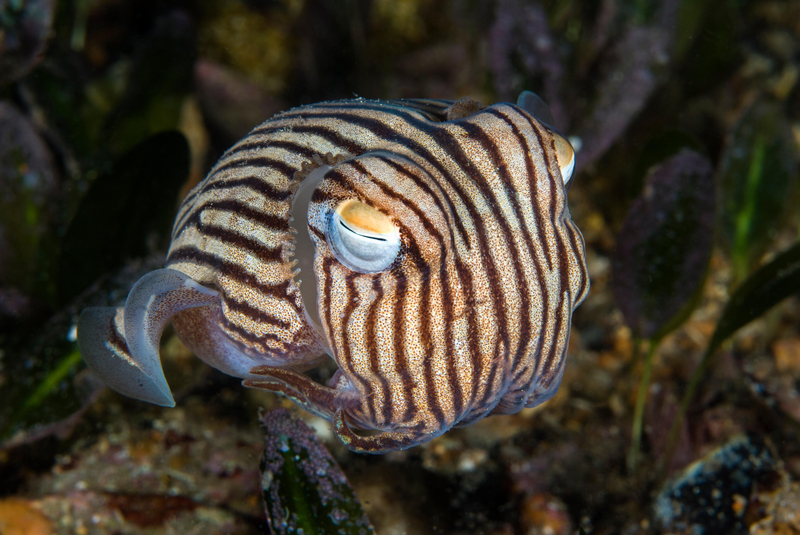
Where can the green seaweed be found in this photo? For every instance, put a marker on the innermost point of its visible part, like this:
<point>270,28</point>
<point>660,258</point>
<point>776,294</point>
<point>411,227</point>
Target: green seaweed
<point>771,284</point>
<point>304,489</point>
<point>768,286</point>
<point>660,264</point>
<point>45,389</point>
<point>122,210</point>
<point>758,175</point>
<point>656,150</point>
<point>664,246</point>
<point>28,184</point>
<point>48,386</point>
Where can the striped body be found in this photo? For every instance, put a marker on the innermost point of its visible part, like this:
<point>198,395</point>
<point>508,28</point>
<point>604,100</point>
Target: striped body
<point>471,317</point>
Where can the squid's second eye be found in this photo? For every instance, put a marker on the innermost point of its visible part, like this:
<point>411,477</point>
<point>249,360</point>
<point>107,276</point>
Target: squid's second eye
<point>566,156</point>
<point>363,238</point>
<point>533,104</point>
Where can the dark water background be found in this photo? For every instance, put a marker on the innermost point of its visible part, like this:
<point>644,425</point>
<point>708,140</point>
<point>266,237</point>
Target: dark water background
<point>686,115</point>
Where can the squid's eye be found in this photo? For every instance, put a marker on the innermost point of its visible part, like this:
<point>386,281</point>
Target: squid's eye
<point>566,156</point>
<point>533,104</point>
<point>363,238</point>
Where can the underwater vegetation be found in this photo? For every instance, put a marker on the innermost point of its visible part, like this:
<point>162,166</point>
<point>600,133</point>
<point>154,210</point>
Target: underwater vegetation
<point>681,378</point>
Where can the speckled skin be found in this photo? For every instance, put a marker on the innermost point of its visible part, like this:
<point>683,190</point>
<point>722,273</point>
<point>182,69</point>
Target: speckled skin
<point>471,318</point>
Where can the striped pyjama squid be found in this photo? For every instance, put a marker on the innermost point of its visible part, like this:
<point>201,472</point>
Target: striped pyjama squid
<point>424,245</point>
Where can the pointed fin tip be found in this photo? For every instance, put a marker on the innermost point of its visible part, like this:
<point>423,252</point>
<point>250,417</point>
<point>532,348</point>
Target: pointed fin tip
<point>152,301</point>
<point>533,104</point>
<point>103,347</point>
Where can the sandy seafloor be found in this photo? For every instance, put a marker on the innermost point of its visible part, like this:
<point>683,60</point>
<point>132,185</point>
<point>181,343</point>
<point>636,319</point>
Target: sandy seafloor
<point>617,74</point>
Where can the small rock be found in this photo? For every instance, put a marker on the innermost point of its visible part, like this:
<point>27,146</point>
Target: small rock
<point>712,495</point>
<point>20,517</point>
<point>544,514</point>
<point>787,355</point>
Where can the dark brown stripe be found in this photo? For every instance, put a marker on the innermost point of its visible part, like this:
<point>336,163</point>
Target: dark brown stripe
<point>242,242</point>
<point>230,269</point>
<point>115,338</point>
<point>337,193</point>
<point>450,144</point>
<point>428,110</point>
<point>521,282</point>
<point>215,182</point>
<point>261,185</point>
<point>457,394</point>
<point>344,318</point>
<point>473,335</point>
<point>401,362</point>
<point>251,143</point>
<point>532,248</point>
<point>269,344</point>
<point>577,245</point>
<point>317,232</point>
<point>254,313</point>
<point>563,280</point>
<point>379,129</point>
<point>550,182</point>
<point>490,391</point>
<point>240,209</point>
<point>544,370</point>
<point>331,136</point>
<point>341,359</point>
<point>326,297</point>
<point>374,352</point>
<point>457,391</point>
<point>263,162</point>
<point>533,180</point>
<point>450,213</point>
<point>431,387</point>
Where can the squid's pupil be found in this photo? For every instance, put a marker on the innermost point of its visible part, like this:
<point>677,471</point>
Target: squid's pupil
<point>362,235</point>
